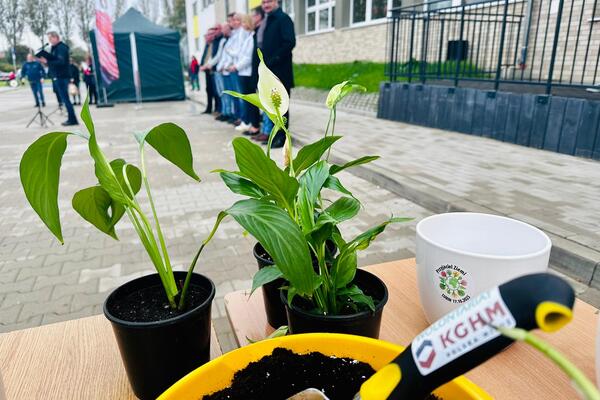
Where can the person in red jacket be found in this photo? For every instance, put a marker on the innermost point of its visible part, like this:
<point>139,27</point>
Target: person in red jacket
<point>194,70</point>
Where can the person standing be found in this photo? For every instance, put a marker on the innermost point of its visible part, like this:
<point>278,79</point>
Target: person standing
<point>276,39</point>
<point>243,67</point>
<point>59,69</point>
<point>221,79</point>
<point>254,117</point>
<point>34,72</point>
<point>209,38</point>
<point>75,80</point>
<point>231,79</point>
<point>89,78</point>
<point>194,70</point>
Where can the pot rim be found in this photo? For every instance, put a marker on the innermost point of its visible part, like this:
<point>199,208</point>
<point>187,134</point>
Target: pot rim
<point>342,318</point>
<point>154,324</point>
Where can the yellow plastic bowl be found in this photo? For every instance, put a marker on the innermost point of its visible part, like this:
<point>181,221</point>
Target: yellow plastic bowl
<point>218,373</point>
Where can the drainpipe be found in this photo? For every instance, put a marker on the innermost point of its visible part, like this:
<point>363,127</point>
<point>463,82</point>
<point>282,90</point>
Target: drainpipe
<point>525,47</point>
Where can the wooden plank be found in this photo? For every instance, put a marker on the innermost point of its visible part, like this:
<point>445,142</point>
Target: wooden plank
<point>77,359</point>
<point>479,113</point>
<point>489,114</point>
<point>568,137</point>
<point>525,119</point>
<point>499,123</point>
<point>512,118</point>
<point>540,121</point>
<point>555,120</point>
<point>588,129</point>
<point>517,373</point>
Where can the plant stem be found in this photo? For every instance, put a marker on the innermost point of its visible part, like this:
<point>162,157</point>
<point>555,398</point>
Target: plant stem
<point>332,131</point>
<point>328,122</point>
<point>188,278</point>
<point>587,388</point>
<point>165,254</point>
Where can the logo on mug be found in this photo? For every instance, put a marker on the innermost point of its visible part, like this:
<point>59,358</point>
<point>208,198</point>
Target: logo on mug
<point>453,283</point>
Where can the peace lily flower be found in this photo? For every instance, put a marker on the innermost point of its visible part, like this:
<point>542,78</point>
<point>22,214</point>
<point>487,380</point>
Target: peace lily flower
<point>271,92</point>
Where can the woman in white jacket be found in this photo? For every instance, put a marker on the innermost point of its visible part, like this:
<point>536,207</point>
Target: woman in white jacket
<point>243,65</point>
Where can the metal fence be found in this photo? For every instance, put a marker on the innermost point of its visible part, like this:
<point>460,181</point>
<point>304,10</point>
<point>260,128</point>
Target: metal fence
<point>546,43</point>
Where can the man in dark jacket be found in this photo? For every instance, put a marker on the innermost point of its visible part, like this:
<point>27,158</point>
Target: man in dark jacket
<point>34,72</point>
<point>276,39</point>
<point>58,65</point>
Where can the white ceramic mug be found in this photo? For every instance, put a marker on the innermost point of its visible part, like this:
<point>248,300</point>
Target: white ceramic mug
<point>460,255</point>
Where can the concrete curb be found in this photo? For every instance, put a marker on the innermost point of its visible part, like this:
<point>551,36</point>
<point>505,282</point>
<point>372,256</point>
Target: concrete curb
<point>571,258</point>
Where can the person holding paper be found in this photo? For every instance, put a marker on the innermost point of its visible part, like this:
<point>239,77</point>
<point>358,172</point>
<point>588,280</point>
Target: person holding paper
<point>58,64</point>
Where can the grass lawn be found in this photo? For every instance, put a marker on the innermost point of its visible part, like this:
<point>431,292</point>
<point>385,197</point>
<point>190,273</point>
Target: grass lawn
<point>370,74</point>
<point>324,76</point>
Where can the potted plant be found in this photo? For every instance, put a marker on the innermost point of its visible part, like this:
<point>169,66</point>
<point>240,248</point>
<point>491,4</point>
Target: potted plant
<point>292,219</point>
<point>161,321</point>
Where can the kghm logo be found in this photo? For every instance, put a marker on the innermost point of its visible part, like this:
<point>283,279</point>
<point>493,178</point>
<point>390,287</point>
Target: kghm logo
<point>453,283</point>
<point>425,354</point>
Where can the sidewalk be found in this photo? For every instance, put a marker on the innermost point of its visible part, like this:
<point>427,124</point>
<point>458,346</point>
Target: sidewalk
<point>446,171</point>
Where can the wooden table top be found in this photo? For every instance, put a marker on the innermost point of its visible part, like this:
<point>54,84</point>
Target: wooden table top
<point>77,359</point>
<point>517,373</point>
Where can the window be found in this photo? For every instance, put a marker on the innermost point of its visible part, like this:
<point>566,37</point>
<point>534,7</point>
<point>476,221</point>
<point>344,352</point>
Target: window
<point>288,7</point>
<point>371,10</point>
<point>320,15</point>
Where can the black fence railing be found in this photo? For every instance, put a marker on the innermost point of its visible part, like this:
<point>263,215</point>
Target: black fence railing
<point>548,43</point>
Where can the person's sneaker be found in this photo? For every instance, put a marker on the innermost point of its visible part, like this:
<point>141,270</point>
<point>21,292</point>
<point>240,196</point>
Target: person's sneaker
<point>260,138</point>
<point>250,133</point>
<point>242,127</point>
<point>237,122</point>
<point>69,123</point>
<point>43,104</point>
<point>276,143</point>
<point>222,118</point>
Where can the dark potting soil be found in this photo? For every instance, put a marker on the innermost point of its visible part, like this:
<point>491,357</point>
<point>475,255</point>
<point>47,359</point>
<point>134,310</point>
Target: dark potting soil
<point>150,304</point>
<point>284,373</point>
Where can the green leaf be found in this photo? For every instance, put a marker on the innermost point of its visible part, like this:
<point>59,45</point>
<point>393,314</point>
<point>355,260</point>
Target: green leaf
<point>357,296</point>
<point>363,240</point>
<point>265,275</point>
<point>93,204</point>
<point>240,185</point>
<point>256,166</point>
<point>40,172</point>
<point>253,99</point>
<point>172,143</point>
<point>359,161</point>
<point>334,183</point>
<point>134,176</point>
<point>310,187</point>
<point>334,94</point>
<point>341,90</point>
<point>103,170</point>
<point>281,238</point>
<point>310,154</point>
<point>342,209</point>
<point>344,268</point>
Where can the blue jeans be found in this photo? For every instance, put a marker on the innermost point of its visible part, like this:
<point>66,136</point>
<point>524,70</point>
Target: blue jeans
<point>62,86</point>
<point>238,104</point>
<point>38,92</point>
<point>267,125</point>
<point>228,105</point>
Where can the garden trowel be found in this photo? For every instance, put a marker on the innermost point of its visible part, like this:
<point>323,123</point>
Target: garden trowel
<point>467,337</point>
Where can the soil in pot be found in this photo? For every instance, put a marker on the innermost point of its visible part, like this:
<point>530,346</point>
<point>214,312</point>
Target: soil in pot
<point>284,373</point>
<point>150,304</point>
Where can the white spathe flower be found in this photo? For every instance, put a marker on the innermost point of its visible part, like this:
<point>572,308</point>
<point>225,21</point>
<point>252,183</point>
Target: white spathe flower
<point>271,92</point>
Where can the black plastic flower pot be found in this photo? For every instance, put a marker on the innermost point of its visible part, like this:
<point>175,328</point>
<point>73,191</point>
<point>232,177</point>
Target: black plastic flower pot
<point>157,354</point>
<point>365,323</point>
<point>274,308</point>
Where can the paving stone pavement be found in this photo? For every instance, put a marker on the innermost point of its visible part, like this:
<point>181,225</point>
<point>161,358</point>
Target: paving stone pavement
<point>43,282</point>
<point>445,171</point>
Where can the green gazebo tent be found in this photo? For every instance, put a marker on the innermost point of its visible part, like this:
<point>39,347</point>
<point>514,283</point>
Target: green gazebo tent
<point>158,58</point>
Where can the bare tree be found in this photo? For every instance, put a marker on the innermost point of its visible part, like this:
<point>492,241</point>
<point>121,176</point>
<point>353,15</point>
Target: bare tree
<point>85,16</point>
<point>37,16</point>
<point>119,8</point>
<point>149,8</point>
<point>62,15</point>
<point>12,22</point>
